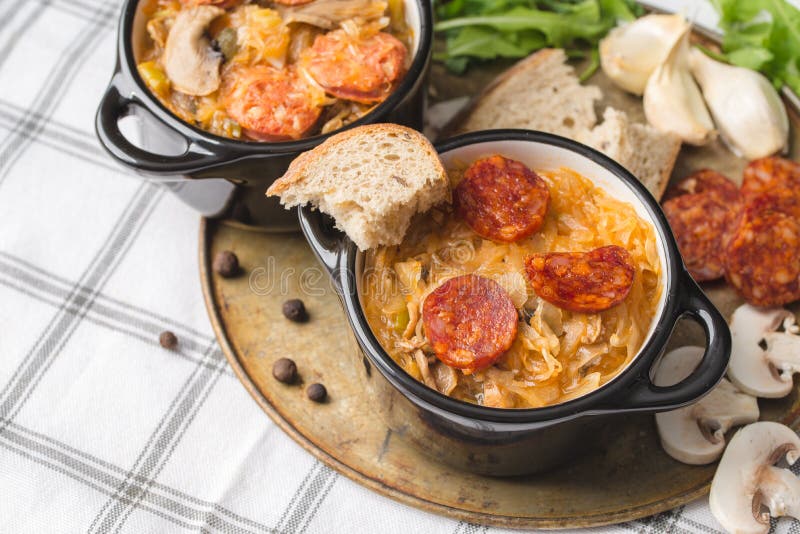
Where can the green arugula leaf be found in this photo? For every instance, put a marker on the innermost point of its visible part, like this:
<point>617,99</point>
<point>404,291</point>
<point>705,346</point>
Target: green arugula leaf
<point>763,35</point>
<point>487,29</point>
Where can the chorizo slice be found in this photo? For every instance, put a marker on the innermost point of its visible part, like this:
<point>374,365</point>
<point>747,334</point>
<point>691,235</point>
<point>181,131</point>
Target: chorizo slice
<point>353,68</point>
<point>767,174</point>
<point>702,224</point>
<point>585,282</point>
<point>270,104</point>
<point>501,199</point>
<point>762,259</point>
<point>706,181</point>
<point>224,4</point>
<point>470,322</point>
<point>783,200</point>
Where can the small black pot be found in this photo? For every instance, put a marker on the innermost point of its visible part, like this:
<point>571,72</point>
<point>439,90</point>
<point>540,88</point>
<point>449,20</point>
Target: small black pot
<point>215,172</point>
<point>513,442</point>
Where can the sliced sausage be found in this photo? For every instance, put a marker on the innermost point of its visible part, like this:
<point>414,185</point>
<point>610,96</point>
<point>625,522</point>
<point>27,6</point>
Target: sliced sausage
<point>292,2</point>
<point>501,199</point>
<point>767,174</point>
<point>702,224</point>
<point>224,4</point>
<point>364,70</point>
<point>470,321</point>
<point>270,104</point>
<point>586,282</point>
<point>784,200</point>
<point>706,181</point>
<point>762,259</point>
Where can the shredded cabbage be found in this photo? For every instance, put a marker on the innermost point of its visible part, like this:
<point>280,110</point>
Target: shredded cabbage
<point>558,355</point>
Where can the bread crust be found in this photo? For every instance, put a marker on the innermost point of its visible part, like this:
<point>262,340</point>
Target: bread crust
<point>297,169</point>
<point>457,124</point>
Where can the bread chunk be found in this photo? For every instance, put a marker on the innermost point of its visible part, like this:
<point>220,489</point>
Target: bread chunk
<point>371,179</point>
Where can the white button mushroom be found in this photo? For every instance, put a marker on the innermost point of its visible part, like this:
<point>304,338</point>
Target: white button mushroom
<point>763,372</point>
<point>695,434</point>
<point>746,479</point>
<point>189,61</point>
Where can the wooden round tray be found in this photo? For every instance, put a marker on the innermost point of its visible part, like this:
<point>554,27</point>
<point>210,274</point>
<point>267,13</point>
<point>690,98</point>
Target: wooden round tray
<point>624,475</point>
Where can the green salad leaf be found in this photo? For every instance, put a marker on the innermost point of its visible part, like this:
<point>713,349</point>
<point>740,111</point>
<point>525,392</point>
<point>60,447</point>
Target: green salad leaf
<point>763,35</point>
<point>488,29</point>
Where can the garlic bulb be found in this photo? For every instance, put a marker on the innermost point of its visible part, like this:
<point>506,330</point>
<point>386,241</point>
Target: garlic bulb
<point>629,54</point>
<point>673,102</point>
<point>749,113</point>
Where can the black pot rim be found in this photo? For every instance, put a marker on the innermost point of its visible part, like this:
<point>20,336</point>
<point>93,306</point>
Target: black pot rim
<point>603,400</point>
<point>126,65</point>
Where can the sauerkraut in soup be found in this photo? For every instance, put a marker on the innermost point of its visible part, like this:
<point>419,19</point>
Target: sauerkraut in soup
<point>273,70</point>
<point>529,313</point>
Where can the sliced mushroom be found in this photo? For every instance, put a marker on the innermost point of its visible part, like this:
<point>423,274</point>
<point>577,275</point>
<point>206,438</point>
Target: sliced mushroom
<point>763,372</point>
<point>445,377</point>
<point>327,14</point>
<point>695,434</point>
<point>746,479</point>
<point>190,62</point>
<point>422,363</point>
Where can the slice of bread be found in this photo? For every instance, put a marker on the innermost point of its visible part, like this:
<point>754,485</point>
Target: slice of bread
<point>647,153</point>
<point>540,92</point>
<point>371,179</point>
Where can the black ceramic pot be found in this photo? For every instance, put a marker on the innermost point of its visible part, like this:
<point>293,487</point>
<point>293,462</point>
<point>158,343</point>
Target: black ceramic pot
<point>513,442</point>
<point>215,174</point>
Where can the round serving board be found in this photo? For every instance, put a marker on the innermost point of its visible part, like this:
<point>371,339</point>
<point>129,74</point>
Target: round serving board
<point>624,475</point>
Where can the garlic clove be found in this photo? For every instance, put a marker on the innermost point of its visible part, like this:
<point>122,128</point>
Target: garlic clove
<point>629,54</point>
<point>746,107</point>
<point>673,102</point>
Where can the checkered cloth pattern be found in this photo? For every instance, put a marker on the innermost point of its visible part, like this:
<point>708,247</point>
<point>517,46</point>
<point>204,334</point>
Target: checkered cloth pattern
<point>101,429</point>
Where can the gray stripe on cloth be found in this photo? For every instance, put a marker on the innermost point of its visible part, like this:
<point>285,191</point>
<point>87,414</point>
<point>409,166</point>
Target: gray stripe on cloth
<point>697,528</point>
<point>183,328</point>
<point>166,502</point>
<point>62,141</point>
<point>149,324</point>
<point>8,14</point>
<point>50,94</point>
<point>119,327</point>
<point>315,507</point>
<point>63,324</point>
<point>297,493</point>
<point>76,8</point>
<point>160,445</point>
<point>88,136</point>
<point>58,133</point>
<point>464,527</point>
<point>18,34</point>
<point>307,498</point>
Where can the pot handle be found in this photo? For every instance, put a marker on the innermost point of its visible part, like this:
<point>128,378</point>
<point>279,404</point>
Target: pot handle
<point>116,105</point>
<point>325,240</point>
<point>644,395</point>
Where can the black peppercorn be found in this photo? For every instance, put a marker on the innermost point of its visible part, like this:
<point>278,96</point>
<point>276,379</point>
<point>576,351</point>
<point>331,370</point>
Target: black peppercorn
<point>285,370</point>
<point>226,264</point>
<point>317,392</point>
<point>168,340</point>
<point>295,310</point>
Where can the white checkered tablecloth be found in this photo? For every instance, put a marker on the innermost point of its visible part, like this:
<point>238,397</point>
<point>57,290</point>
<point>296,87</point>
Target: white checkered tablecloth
<point>101,429</point>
